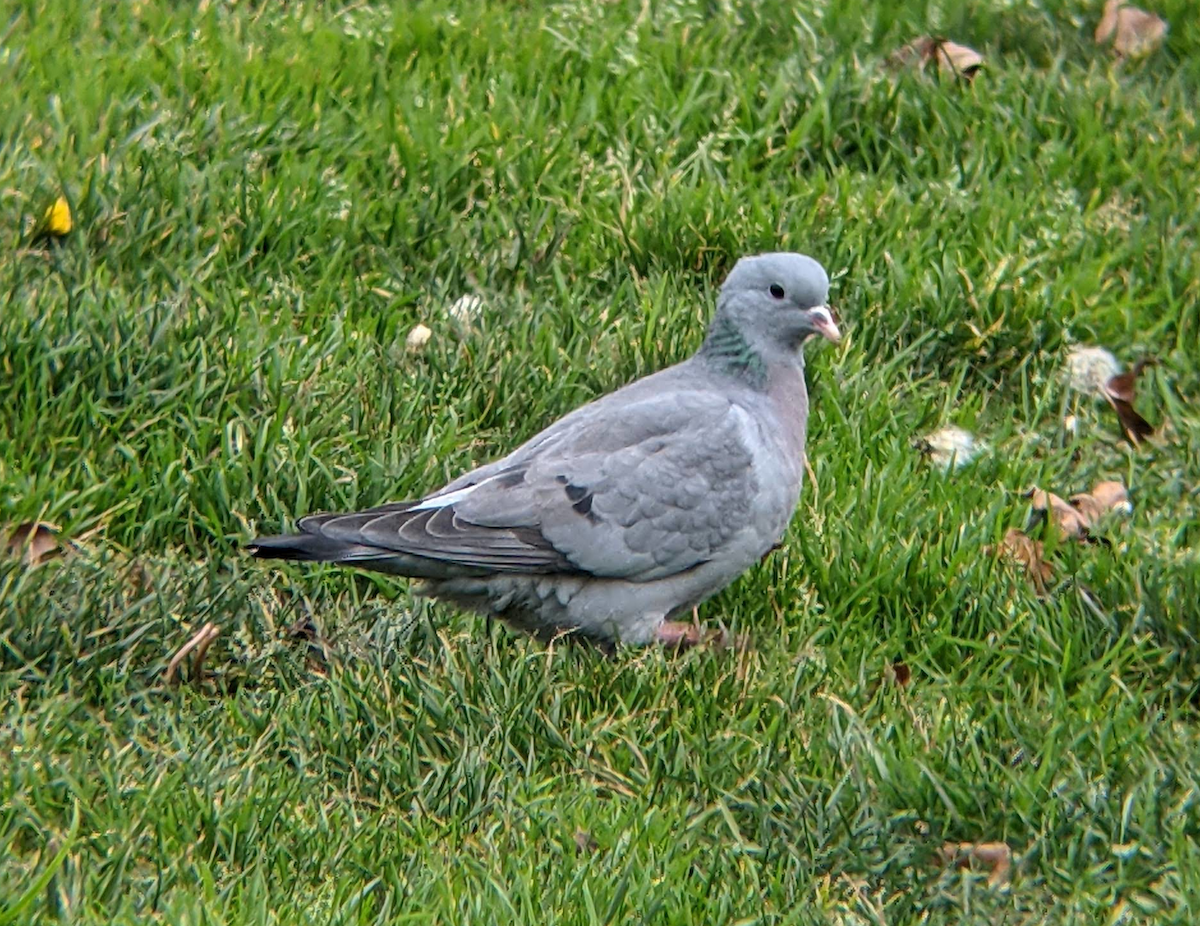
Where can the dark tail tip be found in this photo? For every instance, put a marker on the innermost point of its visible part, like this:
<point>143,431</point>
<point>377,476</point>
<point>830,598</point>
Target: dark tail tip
<point>309,548</point>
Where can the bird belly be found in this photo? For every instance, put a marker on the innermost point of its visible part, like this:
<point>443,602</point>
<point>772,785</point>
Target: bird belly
<point>609,610</point>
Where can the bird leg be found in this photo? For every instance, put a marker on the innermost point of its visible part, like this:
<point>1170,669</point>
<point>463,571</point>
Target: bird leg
<point>679,635</point>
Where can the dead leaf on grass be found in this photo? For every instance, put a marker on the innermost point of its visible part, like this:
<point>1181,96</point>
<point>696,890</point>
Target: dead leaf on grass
<point>585,843</point>
<point>1023,549</point>
<point>899,674</point>
<point>32,541</point>
<point>1120,390</point>
<point>1070,522</point>
<point>949,57</point>
<point>199,643</point>
<point>1105,497</point>
<point>995,856</point>
<point>1075,517</point>
<point>1096,371</point>
<point>1137,32</point>
<point>317,659</point>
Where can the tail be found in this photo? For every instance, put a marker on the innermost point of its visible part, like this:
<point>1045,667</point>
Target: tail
<point>306,548</point>
<point>316,548</point>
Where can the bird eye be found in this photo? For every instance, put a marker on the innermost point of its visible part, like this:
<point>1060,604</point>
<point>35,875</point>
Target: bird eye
<point>776,291</point>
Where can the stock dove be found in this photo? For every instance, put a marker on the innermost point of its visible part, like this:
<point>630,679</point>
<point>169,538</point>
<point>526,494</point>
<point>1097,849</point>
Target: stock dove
<point>632,509</point>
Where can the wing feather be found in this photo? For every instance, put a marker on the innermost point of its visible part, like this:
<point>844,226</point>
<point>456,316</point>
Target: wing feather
<point>638,487</point>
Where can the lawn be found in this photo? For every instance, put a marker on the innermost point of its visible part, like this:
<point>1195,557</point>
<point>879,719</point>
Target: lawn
<point>266,198</point>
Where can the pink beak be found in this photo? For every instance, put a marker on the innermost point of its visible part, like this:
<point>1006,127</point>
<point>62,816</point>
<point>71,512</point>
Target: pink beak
<point>822,317</point>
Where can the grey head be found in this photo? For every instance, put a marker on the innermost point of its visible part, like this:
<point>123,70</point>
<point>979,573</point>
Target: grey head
<point>769,305</point>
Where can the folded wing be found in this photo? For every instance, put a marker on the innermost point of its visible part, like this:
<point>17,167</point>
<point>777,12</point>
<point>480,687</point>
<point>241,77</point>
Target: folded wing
<point>644,491</point>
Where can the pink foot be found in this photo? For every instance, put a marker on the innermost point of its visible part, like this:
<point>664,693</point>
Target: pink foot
<point>680,635</point>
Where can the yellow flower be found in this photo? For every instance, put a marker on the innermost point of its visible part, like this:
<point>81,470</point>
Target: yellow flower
<point>57,219</point>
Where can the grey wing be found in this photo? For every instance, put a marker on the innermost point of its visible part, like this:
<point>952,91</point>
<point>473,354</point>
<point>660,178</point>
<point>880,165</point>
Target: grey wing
<point>640,489</point>
<point>435,542</point>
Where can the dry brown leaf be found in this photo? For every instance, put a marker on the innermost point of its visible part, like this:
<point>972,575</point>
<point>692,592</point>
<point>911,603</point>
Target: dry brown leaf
<point>1124,385</point>
<point>958,59</point>
<point>1137,32</point>
<point>1108,21</point>
<point>1030,553</point>
<point>995,856</point>
<point>200,641</point>
<point>1075,518</point>
<point>950,57</point>
<point>317,660</point>
<point>1072,524</point>
<point>1104,497</point>
<point>33,541</point>
<point>1111,495</point>
<point>1120,391</point>
<point>900,673</point>
<point>584,843</point>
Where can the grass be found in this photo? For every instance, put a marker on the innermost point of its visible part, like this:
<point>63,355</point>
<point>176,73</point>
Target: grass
<point>267,197</point>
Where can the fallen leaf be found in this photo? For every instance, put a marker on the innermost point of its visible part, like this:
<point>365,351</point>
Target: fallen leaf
<point>418,338</point>
<point>1071,523</point>
<point>1104,497</point>
<point>1108,22</point>
<point>1030,553</point>
<point>1137,32</point>
<point>950,57</point>
<point>958,59</point>
<point>900,673</point>
<point>1124,385</point>
<point>1095,370</point>
<point>1076,517</point>
<point>199,643</point>
<point>1120,390</point>
<point>584,842</point>
<point>996,856</point>
<point>1112,496</point>
<point>317,658</point>
<point>33,541</point>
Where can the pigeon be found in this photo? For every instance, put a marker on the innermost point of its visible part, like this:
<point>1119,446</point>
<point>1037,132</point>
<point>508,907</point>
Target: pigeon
<point>632,509</point>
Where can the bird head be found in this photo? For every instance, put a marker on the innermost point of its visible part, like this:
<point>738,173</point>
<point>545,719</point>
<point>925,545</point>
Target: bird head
<point>778,301</point>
